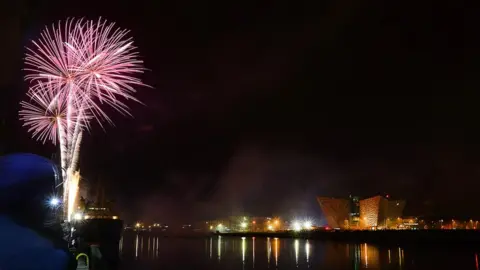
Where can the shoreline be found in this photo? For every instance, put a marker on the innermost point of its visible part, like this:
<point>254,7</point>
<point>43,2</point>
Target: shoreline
<point>404,237</point>
<point>379,237</point>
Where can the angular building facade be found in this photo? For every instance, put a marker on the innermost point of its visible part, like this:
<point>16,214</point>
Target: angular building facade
<point>372,211</point>
<point>380,212</point>
<point>336,211</point>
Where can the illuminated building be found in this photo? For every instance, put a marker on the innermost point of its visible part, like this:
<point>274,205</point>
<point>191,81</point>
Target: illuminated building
<point>372,210</point>
<point>98,213</point>
<point>354,221</point>
<point>352,213</point>
<point>410,223</point>
<point>242,224</point>
<point>379,211</point>
<point>341,213</point>
<point>335,210</point>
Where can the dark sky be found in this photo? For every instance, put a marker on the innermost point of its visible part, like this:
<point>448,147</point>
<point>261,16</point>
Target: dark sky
<point>258,106</point>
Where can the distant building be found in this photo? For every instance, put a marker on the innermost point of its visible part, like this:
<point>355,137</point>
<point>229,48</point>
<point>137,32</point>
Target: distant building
<point>353,213</point>
<point>379,211</point>
<point>336,211</point>
<point>373,211</point>
<point>241,224</point>
<point>354,221</point>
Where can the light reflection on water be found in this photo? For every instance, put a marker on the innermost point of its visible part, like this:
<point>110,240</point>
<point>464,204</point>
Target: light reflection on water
<point>219,252</point>
<point>253,250</point>
<point>219,247</point>
<point>296,250</point>
<point>307,250</point>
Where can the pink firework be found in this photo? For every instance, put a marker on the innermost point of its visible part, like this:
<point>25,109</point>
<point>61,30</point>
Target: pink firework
<point>74,68</point>
<point>86,61</point>
<point>45,115</point>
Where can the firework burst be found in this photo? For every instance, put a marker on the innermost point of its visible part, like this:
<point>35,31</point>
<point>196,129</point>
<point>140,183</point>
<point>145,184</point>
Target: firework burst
<point>74,68</point>
<point>87,61</point>
<point>45,115</point>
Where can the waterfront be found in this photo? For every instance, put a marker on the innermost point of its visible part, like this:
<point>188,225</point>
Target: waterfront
<point>152,252</point>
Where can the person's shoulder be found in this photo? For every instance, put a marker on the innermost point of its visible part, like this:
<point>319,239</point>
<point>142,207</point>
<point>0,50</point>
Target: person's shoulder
<point>38,259</point>
<point>24,249</point>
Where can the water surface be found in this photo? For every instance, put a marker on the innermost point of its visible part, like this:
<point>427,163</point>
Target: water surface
<point>225,253</point>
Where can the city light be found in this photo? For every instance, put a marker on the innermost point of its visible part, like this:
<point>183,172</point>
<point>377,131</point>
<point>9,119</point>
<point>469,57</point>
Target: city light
<point>137,225</point>
<point>243,225</point>
<point>307,225</point>
<point>270,227</point>
<point>297,226</point>
<point>77,216</point>
<point>54,202</point>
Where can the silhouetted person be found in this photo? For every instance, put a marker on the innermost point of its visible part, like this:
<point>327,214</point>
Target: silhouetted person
<point>30,237</point>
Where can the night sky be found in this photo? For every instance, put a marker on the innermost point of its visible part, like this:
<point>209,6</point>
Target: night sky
<point>258,106</point>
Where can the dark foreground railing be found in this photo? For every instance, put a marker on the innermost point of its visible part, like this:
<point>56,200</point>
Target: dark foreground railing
<point>99,239</point>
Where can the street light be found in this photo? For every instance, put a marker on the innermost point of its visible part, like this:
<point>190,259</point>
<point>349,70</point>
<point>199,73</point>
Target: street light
<point>54,201</point>
<point>307,225</point>
<point>77,216</point>
<point>297,226</point>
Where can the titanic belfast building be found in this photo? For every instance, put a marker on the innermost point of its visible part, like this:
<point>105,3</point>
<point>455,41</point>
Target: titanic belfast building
<point>355,213</point>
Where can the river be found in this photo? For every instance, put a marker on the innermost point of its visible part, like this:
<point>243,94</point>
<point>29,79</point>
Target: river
<point>229,253</point>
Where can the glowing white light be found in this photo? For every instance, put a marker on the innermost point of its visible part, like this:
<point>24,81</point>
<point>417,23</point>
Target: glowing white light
<point>78,216</point>
<point>307,225</point>
<point>270,227</point>
<point>54,201</point>
<point>297,226</point>
<point>243,224</point>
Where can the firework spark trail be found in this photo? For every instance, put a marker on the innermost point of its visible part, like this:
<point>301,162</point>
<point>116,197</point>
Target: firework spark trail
<point>76,152</point>
<point>63,154</point>
<point>74,179</point>
<point>74,68</point>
